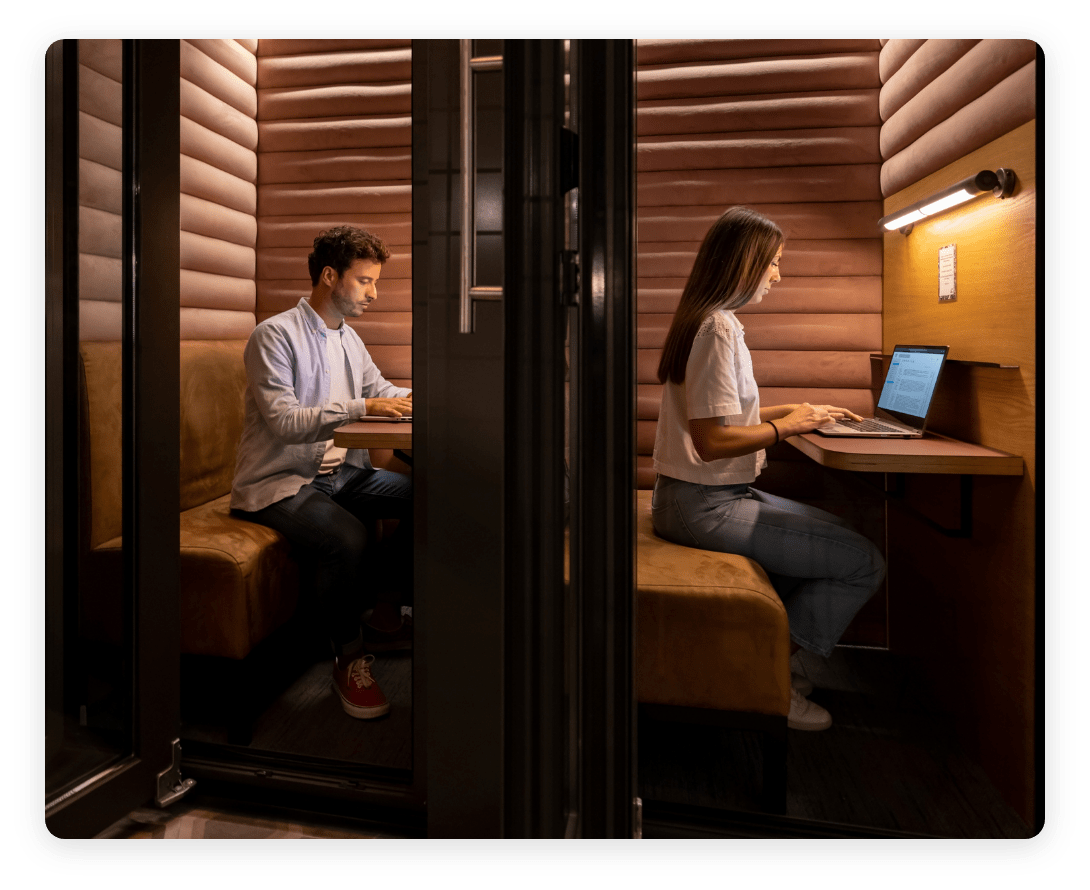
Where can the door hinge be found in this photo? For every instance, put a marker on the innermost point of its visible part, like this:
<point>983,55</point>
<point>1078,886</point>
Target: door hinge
<point>637,806</point>
<point>170,785</point>
<point>569,277</point>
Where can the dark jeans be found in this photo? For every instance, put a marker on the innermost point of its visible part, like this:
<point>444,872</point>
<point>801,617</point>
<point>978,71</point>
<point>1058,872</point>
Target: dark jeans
<point>327,523</point>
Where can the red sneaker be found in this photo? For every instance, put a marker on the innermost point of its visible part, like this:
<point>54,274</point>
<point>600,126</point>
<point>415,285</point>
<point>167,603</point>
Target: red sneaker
<point>360,695</point>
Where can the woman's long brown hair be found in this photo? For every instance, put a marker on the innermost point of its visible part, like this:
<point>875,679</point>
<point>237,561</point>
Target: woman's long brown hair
<point>728,268</point>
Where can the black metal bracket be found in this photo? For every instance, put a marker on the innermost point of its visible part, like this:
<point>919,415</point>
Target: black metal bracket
<point>964,529</point>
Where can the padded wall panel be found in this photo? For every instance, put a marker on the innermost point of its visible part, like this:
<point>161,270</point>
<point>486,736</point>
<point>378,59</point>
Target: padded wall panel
<point>770,148</point>
<point>852,294</point>
<point>218,172</point>
<point>100,195</point>
<point>216,256</point>
<point>206,181</point>
<point>312,199</point>
<point>981,68</point>
<point>215,324</point>
<point>289,231</point>
<point>219,151</point>
<point>926,64</point>
<point>781,185</point>
<point>334,132</point>
<point>1006,106</point>
<point>350,62</point>
<point>675,52</point>
<point>211,75</point>
<point>240,60</point>
<point>894,54</point>
<point>776,111</point>
<point>214,114</point>
<point>784,74</point>
<point>335,139</point>
<point>99,140</point>
<point>334,165</point>
<point>214,220</point>
<point>821,258</point>
<point>99,186</point>
<point>282,262</point>
<point>790,128</point>
<point>332,101</point>
<point>276,295</point>
<point>205,290</point>
<point>811,220</point>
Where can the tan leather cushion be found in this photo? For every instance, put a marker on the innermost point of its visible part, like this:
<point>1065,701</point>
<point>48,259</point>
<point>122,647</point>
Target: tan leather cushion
<point>239,581</point>
<point>710,630</point>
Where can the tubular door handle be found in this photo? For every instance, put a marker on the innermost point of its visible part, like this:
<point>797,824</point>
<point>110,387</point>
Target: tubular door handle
<point>470,292</point>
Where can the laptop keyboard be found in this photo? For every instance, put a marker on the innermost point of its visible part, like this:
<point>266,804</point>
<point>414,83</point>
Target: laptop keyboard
<point>869,426</point>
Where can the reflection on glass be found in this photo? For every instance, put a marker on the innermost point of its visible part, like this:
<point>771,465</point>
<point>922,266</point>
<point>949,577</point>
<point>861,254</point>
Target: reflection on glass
<point>89,650</point>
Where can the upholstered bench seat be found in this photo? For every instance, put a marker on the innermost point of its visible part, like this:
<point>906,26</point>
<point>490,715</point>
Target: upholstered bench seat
<point>711,631</point>
<point>712,646</point>
<point>239,581</point>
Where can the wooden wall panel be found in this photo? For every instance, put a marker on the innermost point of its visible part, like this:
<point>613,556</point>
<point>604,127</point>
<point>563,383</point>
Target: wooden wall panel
<point>967,607</point>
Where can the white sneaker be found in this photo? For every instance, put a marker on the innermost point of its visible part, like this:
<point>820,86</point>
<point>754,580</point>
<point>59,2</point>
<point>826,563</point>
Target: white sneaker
<point>804,714</point>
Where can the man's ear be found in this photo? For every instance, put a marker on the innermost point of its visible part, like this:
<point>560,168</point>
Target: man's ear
<point>328,276</point>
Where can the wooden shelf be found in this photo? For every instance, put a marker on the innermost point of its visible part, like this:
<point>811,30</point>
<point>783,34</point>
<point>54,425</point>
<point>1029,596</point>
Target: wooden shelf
<point>957,361</point>
<point>934,453</point>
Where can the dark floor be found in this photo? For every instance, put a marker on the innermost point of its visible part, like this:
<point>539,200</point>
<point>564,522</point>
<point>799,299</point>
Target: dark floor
<point>307,720</point>
<point>889,762</point>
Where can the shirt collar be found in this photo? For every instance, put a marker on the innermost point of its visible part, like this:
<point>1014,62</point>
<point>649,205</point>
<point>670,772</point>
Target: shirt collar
<point>317,324</point>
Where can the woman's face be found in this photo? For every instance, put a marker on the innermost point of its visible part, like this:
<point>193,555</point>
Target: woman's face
<point>771,276</point>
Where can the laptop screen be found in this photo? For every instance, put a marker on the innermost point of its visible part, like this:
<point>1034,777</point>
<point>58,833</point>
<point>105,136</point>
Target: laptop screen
<point>910,382</point>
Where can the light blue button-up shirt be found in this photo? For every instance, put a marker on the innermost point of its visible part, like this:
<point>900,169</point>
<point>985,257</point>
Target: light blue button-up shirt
<point>289,417</point>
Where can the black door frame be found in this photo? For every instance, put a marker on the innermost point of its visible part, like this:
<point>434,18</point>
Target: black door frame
<point>150,376</point>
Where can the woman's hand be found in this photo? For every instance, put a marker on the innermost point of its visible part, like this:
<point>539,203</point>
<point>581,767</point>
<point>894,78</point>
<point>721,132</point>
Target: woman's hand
<point>807,417</point>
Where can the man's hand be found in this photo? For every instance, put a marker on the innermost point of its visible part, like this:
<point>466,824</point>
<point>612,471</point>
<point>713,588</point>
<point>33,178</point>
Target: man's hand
<point>395,407</point>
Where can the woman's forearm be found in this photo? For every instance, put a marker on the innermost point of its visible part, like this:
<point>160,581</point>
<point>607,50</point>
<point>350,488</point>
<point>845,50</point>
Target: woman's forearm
<point>775,412</point>
<point>715,442</point>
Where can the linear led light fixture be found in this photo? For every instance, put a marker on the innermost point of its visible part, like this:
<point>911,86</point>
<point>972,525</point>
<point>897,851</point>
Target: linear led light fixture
<point>1000,183</point>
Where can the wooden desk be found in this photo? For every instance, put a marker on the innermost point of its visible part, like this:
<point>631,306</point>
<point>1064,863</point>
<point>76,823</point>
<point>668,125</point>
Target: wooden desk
<point>934,453</point>
<point>362,434</point>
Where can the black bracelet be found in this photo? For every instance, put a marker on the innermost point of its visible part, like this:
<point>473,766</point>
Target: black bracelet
<point>771,424</point>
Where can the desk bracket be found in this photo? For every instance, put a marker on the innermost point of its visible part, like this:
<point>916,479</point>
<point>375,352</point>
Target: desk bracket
<point>896,494</point>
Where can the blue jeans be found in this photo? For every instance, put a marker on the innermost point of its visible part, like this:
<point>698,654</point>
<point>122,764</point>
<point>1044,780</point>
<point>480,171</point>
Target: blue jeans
<point>822,570</point>
<point>326,522</point>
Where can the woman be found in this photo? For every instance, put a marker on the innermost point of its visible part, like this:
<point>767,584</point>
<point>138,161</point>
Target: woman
<point>712,433</point>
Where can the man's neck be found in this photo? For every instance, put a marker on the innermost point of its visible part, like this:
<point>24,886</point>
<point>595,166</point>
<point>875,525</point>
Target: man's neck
<point>321,303</point>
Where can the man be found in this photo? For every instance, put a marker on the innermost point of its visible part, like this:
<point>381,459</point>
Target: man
<point>308,373</point>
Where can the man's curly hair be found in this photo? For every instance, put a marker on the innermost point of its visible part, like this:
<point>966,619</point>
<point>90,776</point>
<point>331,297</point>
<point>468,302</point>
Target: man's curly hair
<point>340,246</point>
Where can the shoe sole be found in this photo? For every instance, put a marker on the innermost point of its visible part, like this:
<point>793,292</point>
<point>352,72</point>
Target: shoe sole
<point>809,727</point>
<point>361,712</point>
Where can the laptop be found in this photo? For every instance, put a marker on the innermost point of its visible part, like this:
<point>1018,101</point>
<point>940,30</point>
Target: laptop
<point>905,401</point>
<point>377,418</point>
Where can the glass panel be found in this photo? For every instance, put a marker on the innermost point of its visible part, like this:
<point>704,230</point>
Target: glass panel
<point>89,639</point>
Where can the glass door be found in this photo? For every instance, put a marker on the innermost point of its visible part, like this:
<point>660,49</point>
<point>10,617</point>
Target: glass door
<point>111,431</point>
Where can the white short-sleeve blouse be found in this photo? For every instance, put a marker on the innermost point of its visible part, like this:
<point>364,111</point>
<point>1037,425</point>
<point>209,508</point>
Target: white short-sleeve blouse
<point>718,383</point>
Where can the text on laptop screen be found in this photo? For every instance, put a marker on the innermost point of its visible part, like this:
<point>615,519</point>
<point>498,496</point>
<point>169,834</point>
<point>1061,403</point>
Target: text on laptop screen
<point>910,382</point>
